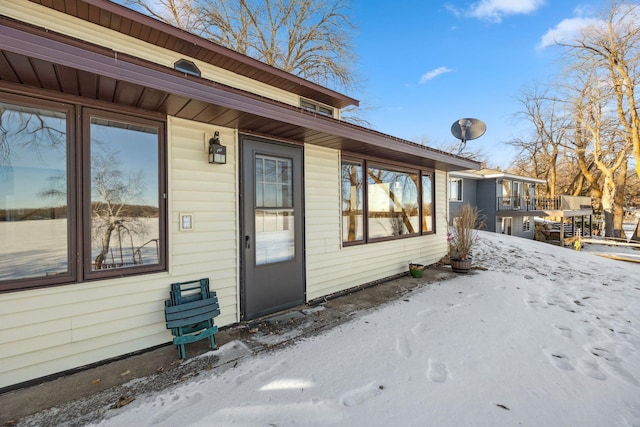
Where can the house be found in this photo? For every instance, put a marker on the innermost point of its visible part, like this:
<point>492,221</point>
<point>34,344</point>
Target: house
<point>135,155</point>
<point>509,202</point>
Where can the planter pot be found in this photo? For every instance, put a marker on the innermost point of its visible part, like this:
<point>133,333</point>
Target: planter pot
<point>416,270</point>
<point>460,265</point>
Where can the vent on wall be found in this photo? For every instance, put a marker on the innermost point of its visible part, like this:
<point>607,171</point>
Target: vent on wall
<point>187,67</point>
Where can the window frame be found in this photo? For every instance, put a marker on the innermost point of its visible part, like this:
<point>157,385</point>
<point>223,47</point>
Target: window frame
<point>71,276</point>
<point>316,107</point>
<point>367,163</point>
<point>362,240</point>
<point>79,192</point>
<point>88,274</point>
<point>460,186</point>
<point>432,175</point>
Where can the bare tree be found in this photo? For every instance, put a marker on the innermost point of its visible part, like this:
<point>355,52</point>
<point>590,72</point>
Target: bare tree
<point>308,38</point>
<point>601,141</point>
<point>549,137</point>
<point>613,47</point>
<point>113,196</point>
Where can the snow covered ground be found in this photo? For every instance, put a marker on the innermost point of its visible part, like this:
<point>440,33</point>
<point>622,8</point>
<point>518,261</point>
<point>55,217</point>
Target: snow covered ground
<point>545,336</point>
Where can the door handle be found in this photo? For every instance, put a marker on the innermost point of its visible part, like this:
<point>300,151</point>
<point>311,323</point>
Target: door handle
<point>247,242</point>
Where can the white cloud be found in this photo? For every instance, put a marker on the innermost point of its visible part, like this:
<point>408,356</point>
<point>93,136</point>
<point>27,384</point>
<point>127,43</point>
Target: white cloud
<point>565,31</point>
<point>435,73</point>
<point>495,10</point>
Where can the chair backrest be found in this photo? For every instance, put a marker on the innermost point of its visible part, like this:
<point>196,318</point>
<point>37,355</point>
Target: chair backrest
<point>182,292</point>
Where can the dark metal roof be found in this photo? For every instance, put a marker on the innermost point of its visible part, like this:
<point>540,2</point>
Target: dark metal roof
<point>44,60</point>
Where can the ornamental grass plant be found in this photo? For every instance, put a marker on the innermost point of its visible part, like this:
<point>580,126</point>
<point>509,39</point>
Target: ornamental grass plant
<point>464,232</point>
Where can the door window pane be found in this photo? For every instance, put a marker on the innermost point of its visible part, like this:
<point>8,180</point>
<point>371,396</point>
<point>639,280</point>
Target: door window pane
<point>352,215</point>
<point>125,206</point>
<point>273,182</point>
<point>34,209</point>
<point>275,238</point>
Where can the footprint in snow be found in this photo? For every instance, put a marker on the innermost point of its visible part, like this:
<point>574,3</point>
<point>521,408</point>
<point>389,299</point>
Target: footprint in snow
<point>590,368</point>
<point>360,395</point>
<point>419,328</point>
<point>437,371</point>
<point>564,331</point>
<point>559,360</point>
<point>402,347</point>
<point>178,403</point>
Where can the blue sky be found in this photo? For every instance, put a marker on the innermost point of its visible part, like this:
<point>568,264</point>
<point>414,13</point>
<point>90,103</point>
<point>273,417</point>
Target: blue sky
<point>427,64</point>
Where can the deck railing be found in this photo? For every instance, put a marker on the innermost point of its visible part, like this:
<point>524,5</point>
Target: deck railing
<point>565,203</point>
<point>528,203</point>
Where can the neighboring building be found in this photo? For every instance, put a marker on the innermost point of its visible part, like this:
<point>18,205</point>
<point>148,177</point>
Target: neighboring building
<point>510,202</point>
<point>108,194</point>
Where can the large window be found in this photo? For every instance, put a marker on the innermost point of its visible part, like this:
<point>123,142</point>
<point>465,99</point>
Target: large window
<point>98,193</point>
<point>398,203</point>
<point>35,216</point>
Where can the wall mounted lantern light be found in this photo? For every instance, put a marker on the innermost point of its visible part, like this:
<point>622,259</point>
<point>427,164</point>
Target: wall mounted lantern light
<point>217,151</point>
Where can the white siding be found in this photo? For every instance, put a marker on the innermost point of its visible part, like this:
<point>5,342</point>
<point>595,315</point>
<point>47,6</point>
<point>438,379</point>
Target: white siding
<point>333,268</point>
<point>41,16</point>
<point>50,330</point>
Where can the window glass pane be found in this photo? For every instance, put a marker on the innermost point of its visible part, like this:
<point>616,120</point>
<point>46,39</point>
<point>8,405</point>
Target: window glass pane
<point>309,106</point>
<point>455,189</point>
<point>352,215</point>
<point>325,111</point>
<point>427,204</point>
<point>392,204</point>
<point>506,188</point>
<point>517,194</point>
<point>125,208</point>
<point>275,238</point>
<point>273,182</point>
<point>34,212</point>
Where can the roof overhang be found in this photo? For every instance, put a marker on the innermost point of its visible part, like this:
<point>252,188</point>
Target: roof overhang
<point>481,174</point>
<point>34,57</point>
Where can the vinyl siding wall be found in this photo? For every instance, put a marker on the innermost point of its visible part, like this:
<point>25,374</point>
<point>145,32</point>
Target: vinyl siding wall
<point>45,331</point>
<point>41,16</point>
<point>333,268</point>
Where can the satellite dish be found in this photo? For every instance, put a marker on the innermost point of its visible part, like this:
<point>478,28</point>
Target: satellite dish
<point>468,129</point>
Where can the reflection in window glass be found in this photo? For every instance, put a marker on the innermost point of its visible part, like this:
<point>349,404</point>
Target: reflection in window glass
<point>273,182</point>
<point>34,212</point>
<point>125,229</point>
<point>275,239</point>
<point>427,204</point>
<point>392,204</point>
<point>506,188</point>
<point>352,215</point>
<point>455,189</point>
<point>274,236</point>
